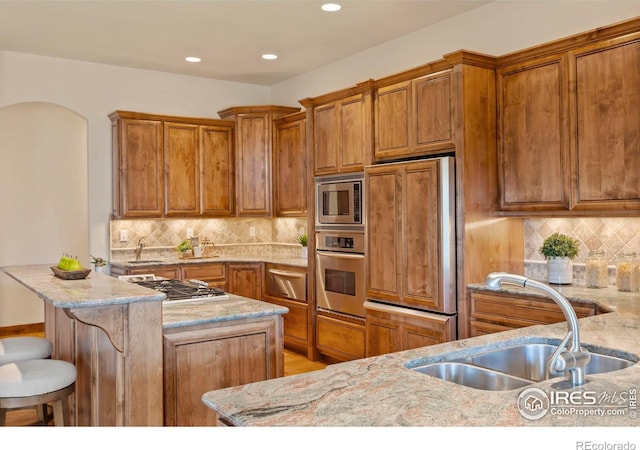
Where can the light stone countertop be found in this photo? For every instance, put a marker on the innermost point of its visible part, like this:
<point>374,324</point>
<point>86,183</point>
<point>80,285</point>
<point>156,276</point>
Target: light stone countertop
<point>181,314</point>
<point>102,290</point>
<point>298,262</point>
<point>96,290</point>
<point>383,391</point>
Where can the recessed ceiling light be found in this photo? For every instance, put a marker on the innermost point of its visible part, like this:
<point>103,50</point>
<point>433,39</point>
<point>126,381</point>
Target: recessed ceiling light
<point>331,7</point>
<point>269,56</point>
<point>193,59</point>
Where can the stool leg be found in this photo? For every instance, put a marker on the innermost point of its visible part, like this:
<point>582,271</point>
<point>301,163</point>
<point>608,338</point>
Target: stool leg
<point>61,412</point>
<point>42,413</point>
<point>3,415</point>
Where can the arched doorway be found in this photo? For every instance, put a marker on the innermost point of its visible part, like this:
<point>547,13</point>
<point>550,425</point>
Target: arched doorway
<point>43,197</point>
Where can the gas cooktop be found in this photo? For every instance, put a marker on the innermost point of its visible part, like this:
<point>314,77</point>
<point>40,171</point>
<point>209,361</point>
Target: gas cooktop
<point>184,291</point>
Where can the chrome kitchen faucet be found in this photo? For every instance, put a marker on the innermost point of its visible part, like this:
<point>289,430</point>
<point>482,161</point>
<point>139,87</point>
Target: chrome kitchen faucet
<point>570,360</point>
<point>139,248</point>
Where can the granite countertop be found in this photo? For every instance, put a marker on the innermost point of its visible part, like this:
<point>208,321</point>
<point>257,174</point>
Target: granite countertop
<point>96,290</point>
<point>181,314</point>
<point>126,264</point>
<point>383,391</point>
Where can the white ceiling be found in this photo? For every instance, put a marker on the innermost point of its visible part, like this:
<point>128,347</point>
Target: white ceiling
<point>229,35</point>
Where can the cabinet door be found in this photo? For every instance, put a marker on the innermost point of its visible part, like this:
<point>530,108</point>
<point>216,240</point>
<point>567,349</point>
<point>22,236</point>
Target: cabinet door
<point>432,113</point>
<point>182,169</point>
<point>253,160</point>
<point>246,280</point>
<point>342,135</point>
<point>217,158</point>
<point>384,206</point>
<point>206,359</point>
<point>139,178</point>
<point>355,133</point>
<point>606,113</point>
<point>421,246</point>
<point>325,139</point>
<point>533,151</point>
<point>290,169</point>
<point>383,335</point>
<point>392,109</point>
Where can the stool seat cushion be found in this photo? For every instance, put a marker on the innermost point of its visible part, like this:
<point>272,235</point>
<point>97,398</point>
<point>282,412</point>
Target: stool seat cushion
<point>24,348</point>
<point>35,377</point>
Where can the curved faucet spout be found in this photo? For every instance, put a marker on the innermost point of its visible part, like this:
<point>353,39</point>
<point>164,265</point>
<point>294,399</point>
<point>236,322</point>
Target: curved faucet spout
<point>575,361</point>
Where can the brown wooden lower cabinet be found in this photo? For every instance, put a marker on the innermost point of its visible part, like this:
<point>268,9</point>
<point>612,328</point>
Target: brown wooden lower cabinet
<point>245,280</point>
<point>494,312</point>
<point>172,272</point>
<point>392,329</point>
<point>214,274</point>
<point>341,339</point>
<point>206,357</point>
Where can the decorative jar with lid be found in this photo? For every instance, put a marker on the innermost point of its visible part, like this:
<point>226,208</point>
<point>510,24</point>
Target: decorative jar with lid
<point>597,269</point>
<point>627,272</point>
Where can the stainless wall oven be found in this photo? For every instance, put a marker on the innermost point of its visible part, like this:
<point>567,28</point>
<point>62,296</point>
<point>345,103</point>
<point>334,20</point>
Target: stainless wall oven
<point>340,201</point>
<point>340,272</point>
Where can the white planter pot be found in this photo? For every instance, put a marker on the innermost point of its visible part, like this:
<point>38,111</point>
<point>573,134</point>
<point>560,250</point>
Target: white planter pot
<point>304,252</point>
<point>559,270</point>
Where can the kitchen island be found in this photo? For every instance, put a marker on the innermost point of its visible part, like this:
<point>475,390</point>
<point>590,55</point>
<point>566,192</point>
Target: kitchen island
<point>384,391</point>
<point>117,333</point>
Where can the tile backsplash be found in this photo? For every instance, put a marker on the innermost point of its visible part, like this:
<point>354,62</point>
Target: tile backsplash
<point>613,235</point>
<point>231,236</point>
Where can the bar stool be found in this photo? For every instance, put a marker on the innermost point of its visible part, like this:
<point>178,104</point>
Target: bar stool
<point>15,349</point>
<point>37,382</point>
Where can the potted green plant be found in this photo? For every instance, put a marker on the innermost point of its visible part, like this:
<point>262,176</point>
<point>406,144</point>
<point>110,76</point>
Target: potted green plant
<point>185,248</point>
<point>302,240</point>
<point>559,251</point>
<point>98,263</point>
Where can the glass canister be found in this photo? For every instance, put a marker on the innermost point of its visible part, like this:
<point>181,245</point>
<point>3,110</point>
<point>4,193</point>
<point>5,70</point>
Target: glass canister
<point>627,272</point>
<point>597,269</point>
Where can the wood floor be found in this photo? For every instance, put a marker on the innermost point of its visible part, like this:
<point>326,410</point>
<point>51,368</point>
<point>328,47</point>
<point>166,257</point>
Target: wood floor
<point>294,363</point>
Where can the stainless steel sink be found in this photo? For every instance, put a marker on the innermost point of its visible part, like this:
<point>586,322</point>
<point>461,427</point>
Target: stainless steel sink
<point>512,366</point>
<point>530,361</point>
<point>473,376</point>
<point>144,261</point>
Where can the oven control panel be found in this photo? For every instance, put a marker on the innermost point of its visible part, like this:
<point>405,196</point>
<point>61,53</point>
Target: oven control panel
<point>340,242</point>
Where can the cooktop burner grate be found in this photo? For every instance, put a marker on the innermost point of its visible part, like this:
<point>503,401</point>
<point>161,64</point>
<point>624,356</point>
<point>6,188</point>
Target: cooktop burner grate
<point>177,290</point>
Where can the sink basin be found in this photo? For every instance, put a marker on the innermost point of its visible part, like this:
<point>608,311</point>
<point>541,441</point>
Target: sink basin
<point>512,366</point>
<point>473,376</point>
<point>530,361</point>
<point>144,261</point>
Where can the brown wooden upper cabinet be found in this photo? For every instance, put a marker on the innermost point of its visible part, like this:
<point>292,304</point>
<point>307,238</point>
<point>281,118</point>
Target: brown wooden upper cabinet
<point>166,166</point>
<point>569,128</point>
<point>290,166</point>
<point>414,117</point>
<point>254,137</point>
<point>342,129</point>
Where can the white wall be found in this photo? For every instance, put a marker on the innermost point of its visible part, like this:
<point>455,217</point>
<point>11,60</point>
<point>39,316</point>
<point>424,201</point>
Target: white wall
<point>95,90</point>
<point>497,28</point>
<point>43,197</point>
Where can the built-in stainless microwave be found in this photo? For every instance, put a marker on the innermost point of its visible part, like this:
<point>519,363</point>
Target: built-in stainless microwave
<point>340,201</point>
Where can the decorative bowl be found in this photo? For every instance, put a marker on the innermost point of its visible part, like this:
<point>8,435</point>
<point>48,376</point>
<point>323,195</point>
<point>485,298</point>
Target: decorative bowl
<point>70,274</point>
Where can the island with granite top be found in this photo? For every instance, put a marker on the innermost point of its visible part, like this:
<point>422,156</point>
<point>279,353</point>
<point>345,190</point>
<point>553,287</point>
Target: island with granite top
<point>143,362</point>
<point>385,391</point>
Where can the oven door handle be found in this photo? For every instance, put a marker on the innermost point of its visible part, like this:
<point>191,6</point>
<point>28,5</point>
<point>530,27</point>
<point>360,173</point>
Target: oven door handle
<point>340,255</point>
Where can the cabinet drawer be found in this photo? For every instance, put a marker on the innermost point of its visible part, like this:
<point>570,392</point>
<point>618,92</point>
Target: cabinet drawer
<point>521,311</point>
<point>205,272</point>
<point>340,339</point>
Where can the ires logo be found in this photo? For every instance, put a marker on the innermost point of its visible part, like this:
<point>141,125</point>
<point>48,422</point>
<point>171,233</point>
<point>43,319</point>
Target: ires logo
<point>534,403</point>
